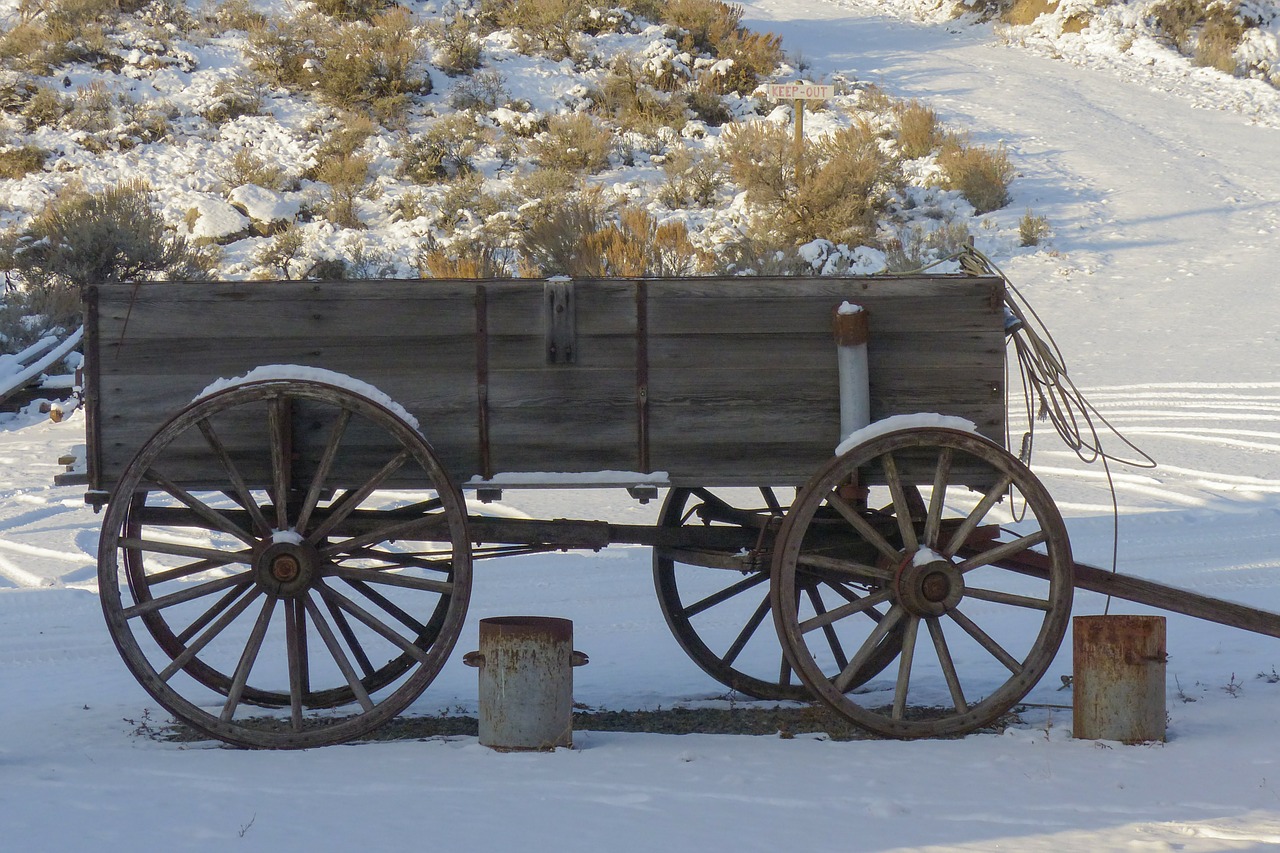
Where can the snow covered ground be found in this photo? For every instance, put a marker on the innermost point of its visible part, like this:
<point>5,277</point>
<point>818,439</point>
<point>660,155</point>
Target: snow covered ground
<point>1161,188</point>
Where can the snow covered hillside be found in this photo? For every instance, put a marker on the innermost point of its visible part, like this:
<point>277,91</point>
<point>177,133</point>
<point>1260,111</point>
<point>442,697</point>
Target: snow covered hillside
<point>1160,186</point>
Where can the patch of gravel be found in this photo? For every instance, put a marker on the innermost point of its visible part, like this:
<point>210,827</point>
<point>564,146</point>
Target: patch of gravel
<point>781,721</point>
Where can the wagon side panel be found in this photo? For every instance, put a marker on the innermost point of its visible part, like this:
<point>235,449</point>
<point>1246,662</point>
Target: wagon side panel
<point>159,345</point>
<point>571,414</point>
<point>743,377</point>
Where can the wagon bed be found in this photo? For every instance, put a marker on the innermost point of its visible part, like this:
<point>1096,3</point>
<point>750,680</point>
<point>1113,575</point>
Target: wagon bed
<point>710,382</point>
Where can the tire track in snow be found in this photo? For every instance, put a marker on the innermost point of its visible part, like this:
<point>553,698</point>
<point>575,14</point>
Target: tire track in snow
<point>1211,443</point>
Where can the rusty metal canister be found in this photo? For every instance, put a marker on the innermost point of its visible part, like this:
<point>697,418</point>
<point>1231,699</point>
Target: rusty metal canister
<point>526,682</point>
<point>1118,681</point>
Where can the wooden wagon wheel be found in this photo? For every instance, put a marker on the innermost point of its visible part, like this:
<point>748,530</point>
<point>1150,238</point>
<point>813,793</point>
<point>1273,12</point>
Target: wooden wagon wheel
<point>977,633</point>
<point>715,602</point>
<point>267,585</point>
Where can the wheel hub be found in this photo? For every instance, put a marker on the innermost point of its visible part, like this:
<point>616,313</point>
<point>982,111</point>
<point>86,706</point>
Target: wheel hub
<point>287,569</point>
<point>928,587</point>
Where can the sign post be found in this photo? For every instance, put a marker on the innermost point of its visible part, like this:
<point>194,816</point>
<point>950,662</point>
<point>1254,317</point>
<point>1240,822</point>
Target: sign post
<point>799,93</point>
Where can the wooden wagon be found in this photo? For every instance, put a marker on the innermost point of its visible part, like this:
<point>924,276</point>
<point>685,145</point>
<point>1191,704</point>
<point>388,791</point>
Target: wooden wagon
<point>286,554</point>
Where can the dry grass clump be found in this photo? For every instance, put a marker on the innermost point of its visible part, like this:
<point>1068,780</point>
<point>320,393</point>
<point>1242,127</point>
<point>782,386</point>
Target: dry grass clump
<point>48,35</point>
<point>458,48</point>
<point>918,131</point>
<point>17,161</point>
<point>552,28</point>
<point>918,245</point>
<point>636,245</point>
<point>629,97</point>
<point>752,55</point>
<point>1217,43</point>
<point>346,177</point>
<point>706,23</point>
<point>366,67</point>
<point>981,174</point>
<point>352,10</point>
<point>484,91</point>
<point>1021,12</point>
<point>573,142</point>
<point>1207,30</point>
<point>104,120</point>
<point>232,98</point>
<point>836,191</point>
<point>547,185</point>
<point>466,202</point>
<point>444,151</point>
<point>46,107</point>
<point>245,167</point>
<point>1032,229</point>
<point>82,238</point>
<point>464,260</point>
<point>690,179</point>
<point>715,28</point>
<point>235,15</point>
<point>582,237</point>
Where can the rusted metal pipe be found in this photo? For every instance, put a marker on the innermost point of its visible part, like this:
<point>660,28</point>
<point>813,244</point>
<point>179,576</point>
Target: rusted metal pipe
<point>852,331</point>
<point>526,682</point>
<point>1118,683</point>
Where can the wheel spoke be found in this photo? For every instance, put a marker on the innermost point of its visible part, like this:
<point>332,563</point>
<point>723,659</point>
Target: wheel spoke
<point>233,474</point>
<point>900,509</point>
<point>280,425</point>
<point>200,508</point>
<point>1000,597</point>
<point>979,512</point>
<point>972,629</point>
<point>184,595</point>
<point>370,621</point>
<point>833,640</point>
<point>1003,551</point>
<point>181,572</point>
<point>248,659</point>
<point>339,656</point>
<point>425,527</point>
<point>904,666</point>
<point>852,568</point>
<point>385,577</point>
<point>322,470</point>
<point>868,648</point>
<point>747,632</point>
<point>295,649</point>
<point>351,500</point>
<point>175,549</point>
<point>724,594</point>
<point>210,614</point>
<point>948,666</point>
<point>771,501</point>
<point>865,530</point>
<point>353,642</point>
<point>402,559</point>
<point>941,476</point>
<point>189,653</point>
<point>389,606</point>
<point>861,605</point>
